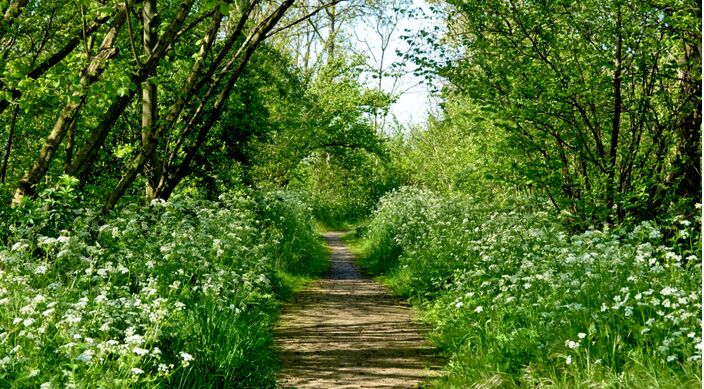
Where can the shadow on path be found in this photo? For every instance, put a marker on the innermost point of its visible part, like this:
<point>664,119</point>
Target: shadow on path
<point>347,331</point>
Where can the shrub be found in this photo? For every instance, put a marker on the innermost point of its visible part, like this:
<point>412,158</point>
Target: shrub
<point>517,300</point>
<point>178,294</point>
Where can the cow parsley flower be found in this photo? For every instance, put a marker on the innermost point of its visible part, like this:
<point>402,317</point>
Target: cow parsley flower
<point>186,358</point>
<point>85,356</point>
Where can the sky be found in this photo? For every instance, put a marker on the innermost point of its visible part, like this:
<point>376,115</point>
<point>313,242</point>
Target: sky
<point>415,102</point>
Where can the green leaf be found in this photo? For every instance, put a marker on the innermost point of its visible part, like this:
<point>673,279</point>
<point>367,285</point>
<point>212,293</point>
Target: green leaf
<point>224,9</point>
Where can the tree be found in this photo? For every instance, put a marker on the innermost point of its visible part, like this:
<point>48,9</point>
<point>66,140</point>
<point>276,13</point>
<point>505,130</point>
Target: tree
<point>596,92</point>
<point>176,117</point>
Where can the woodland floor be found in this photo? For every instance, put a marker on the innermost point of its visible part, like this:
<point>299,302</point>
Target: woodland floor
<point>347,331</point>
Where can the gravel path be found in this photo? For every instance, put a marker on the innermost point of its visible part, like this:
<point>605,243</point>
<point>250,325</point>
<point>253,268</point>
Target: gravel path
<point>347,331</point>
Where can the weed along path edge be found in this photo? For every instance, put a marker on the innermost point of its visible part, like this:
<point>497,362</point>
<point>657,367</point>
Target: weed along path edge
<point>347,331</point>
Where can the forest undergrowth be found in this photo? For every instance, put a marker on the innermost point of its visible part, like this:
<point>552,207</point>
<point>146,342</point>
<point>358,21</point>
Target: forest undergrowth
<point>517,300</point>
<point>180,294</point>
<point>164,167</point>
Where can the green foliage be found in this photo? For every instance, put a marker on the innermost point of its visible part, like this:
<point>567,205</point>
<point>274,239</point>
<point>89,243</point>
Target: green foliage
<point>517,301</point>
<point>590,110</point>
<point>344,188</point>
<point>585,96</point>
<point>462,151</point>
<point>54,211</point>
<point>179,294</point>
<point>322,141</point>
<point>289,219</point>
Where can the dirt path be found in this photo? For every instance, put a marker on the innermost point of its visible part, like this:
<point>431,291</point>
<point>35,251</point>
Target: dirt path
<point>346,331</point>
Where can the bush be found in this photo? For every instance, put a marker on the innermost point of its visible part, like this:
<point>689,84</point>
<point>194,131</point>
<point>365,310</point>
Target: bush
<point>518,301</point>
<point>179,294</point>
<point>290,224</point>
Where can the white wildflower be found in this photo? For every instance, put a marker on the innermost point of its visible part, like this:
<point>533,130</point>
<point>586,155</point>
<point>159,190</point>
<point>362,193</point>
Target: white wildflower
<point>85,356</point>
<point>19,246</point>
<point>158,202</point>
<point>668,291</point>
<point>136,339</point>
<point>186,356</point>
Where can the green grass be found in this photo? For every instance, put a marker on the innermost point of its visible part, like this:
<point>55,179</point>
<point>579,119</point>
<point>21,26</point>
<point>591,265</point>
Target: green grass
<point>517,301</point>
<point>294,281</point>
<point>379,261</point>
<point>182,294</point>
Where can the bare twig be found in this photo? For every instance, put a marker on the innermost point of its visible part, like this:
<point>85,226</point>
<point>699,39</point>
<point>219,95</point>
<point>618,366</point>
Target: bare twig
<point>306,17</point>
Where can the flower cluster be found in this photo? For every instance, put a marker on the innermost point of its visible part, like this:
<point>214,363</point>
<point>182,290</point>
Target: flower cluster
<point>156,294</point>
<point>512,288</point>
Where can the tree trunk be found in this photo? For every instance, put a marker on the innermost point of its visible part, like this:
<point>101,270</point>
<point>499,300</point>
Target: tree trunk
<point>8,149</point>
<point>55,58</point>
<point>332,35</point>
<point>688,162</point>
<point>149,97</point>
<point>70,143</point>
<point>88,153</point>
<point>191,86</point>
<point>249,46</point>
<point>178,173</point>
<point>89,76</point>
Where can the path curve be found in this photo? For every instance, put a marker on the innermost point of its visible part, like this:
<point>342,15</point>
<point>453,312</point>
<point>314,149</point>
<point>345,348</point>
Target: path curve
<point>347,331</point>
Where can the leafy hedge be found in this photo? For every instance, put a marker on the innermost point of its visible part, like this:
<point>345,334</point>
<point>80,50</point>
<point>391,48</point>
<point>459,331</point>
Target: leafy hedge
<point>518,301</point>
